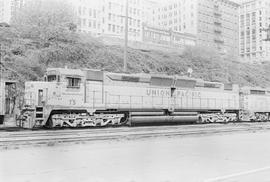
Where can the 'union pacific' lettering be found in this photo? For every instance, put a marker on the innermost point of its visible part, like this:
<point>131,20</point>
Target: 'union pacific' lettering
<point>177,93</point>
<point>188,93</point>
<point>158,92</point>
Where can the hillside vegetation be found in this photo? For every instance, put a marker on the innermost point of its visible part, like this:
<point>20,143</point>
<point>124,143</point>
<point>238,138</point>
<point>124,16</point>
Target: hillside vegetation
<point>32,46</point>
<point>28,59</point>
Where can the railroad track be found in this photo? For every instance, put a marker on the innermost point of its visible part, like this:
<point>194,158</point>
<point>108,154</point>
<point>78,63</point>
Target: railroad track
<point>44,137</point>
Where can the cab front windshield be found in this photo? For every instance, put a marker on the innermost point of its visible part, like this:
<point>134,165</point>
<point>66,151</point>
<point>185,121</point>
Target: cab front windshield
<point>51,78</point>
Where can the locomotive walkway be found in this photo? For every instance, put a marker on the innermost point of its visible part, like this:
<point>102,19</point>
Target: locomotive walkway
<point>9,140</point>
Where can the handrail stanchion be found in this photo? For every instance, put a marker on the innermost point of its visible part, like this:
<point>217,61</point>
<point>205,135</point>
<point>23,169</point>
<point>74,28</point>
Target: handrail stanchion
<point>130,102</point>
<point>118,101</point>
<point>93,99</point>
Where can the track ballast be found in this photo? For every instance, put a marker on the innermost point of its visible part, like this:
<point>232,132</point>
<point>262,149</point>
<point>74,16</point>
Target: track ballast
<point>33,138</point>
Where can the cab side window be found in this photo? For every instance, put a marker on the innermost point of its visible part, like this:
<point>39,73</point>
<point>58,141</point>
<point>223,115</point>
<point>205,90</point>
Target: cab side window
<point>73,82</point>
<point>52,78</point>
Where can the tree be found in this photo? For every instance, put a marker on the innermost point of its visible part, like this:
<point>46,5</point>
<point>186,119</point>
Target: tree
<point>46,20</point>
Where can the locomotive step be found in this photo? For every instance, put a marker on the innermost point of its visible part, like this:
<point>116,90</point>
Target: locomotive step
<point>41,112</point>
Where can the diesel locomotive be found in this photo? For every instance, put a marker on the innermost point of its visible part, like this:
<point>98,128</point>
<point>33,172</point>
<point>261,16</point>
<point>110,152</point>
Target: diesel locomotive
<point>90,98</point>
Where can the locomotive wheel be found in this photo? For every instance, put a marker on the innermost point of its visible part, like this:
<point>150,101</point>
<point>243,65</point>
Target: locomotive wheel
<point>124,120</point>
<point>200,120</point>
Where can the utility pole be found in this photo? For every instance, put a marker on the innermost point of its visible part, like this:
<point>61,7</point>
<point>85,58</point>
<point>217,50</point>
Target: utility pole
<point>1,74</point>
<point>126,38</point>
<point>2,26</point>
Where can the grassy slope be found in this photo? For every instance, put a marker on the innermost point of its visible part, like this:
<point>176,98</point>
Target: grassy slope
<point>28,59</point>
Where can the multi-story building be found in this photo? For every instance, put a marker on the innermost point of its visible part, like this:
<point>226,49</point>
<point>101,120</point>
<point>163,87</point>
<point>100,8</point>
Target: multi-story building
<point>5,11</point>
<point>16,5</point>
<point>115,13</point>
<point>107,17</point>
<point>89,16</point>
<point>167,37</point>
<point>254,16</point>
<point>148,10</point>
<point>214,22</point>
<point>9,9</point>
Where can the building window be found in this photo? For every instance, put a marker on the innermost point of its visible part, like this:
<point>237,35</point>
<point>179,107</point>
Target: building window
<point>110,16</point>
<point>95,13</point>
<point>110,5</point>
<point>242,33</point>
<point>89,23</point>
<point>90,12</point>
<point>80,10</point>
<point>247,19</point>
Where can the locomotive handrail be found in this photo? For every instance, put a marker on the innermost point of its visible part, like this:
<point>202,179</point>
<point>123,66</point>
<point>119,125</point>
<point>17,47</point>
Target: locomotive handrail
<point>130,98</point>
<point>185,102</point>
<point>130,101</point>
<point>202,103</point>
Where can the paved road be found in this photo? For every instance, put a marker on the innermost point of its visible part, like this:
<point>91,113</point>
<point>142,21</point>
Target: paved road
<point>228,157</point>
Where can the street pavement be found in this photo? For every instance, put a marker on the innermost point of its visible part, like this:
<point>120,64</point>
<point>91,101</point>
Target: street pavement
<point>216,158</point>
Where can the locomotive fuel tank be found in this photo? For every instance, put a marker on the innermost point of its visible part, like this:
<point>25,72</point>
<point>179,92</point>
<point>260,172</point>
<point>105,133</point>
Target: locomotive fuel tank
<point>136,120</point>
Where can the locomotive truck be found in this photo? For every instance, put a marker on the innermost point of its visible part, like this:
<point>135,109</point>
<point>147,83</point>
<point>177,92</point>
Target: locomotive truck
<point>89,98</point>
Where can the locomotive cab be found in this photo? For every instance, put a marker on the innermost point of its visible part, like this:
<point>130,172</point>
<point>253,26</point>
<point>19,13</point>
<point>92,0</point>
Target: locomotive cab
<point>61,91</point>
<point>71,78</point>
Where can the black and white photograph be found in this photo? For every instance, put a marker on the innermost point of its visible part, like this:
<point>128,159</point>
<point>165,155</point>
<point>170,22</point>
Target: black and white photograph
<point>134,90</point>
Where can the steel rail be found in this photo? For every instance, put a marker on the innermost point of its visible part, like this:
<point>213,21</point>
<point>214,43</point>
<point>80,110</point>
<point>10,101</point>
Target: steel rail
<point>123,129</point>
<point>83,137</point>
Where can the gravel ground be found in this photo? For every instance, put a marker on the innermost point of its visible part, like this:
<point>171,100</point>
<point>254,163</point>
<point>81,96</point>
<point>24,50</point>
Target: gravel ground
<point>229,157</point>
